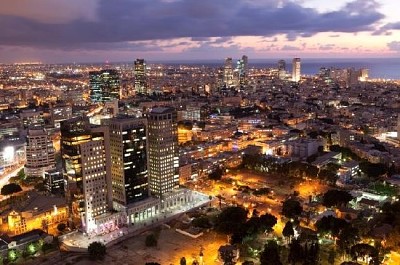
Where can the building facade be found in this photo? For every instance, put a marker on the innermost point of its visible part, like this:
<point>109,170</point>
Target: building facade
<point>163,151</point>
<point>129,173</point>
<point>140,77</point>
<point>39,152</point>
<point>296,69</point>
<point>104,85</point>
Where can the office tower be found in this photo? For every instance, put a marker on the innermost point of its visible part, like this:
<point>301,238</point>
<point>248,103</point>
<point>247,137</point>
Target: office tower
<point>104,85</point>
<point>128,141</point>
<point>163,150</point>
<point>228,73</point>
<point>87,172</point>
<point>140,77</point>
<point>281,65</point>
<point>296,69</point>
<point>53,181</point>
<point>39,152</point>
<point>95,179</point>
<point>363,74</point>
<point>241,70</point>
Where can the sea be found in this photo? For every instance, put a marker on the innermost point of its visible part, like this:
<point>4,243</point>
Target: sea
<point>379,68</point>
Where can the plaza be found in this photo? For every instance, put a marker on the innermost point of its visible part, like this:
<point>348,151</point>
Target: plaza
<point>78,241</point>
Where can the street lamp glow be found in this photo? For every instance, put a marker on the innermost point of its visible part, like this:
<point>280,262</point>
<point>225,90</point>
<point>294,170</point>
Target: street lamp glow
<point>8,153</point>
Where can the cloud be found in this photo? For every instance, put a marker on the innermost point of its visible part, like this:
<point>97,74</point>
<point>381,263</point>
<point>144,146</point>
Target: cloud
<point>290,48</point>
<point>50,11</point>
<point>100,22</point>
<point>394,46</point>
<point>326,47</point>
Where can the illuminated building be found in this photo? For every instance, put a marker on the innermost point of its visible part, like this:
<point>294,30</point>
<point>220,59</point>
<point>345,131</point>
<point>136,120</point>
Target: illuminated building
<point>228,73</point>
<point>73,133</point>
<point>85,150</point>
<point>296,69</point>
<point>104,85</point>
<point>60,113</point>
<point>242,69</point>
<point>95,178</point>
<point>39,212</point>
<point>140,77</point>
<point>39,152</point>
<point>282,69</point>
<point>163,151</point>
<point>54,181</point>
<point>128,141</point>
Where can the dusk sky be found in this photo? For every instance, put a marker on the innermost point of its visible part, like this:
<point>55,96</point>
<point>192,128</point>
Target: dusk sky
<point>122,30</point>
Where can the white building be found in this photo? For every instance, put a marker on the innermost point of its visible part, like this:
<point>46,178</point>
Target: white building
<point>163,151</point>
<point>39,152</point>
<point>296,69</point>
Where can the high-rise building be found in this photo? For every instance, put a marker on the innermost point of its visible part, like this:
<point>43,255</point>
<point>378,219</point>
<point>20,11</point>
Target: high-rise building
<point>163,150</point>
<point>140,77</point>
<point>282,69</point>
<point>39,152</point>
<point>228,73</point>
<point>129,174</point>
<point>281,65</point>
<point>296,69</point>
<point>95,179</point>
<point>104,85</point>
<point>86,170</point>
<point>241,70</point>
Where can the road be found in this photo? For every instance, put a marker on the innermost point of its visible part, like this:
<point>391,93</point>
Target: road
<point>6,177</point>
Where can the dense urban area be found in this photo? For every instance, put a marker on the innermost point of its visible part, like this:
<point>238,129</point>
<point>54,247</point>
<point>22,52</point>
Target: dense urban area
<point>143,163</point>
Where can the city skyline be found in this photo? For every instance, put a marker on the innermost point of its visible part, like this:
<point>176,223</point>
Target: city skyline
<point>99,30</point>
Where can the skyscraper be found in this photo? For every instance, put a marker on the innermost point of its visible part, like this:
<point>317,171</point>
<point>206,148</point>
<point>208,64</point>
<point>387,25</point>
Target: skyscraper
<point>87,171</point>
<point>296,69</point>
<point>228,73</point>
<point>241,70</point>
<point>39,152</point>
<point>282,69</point>
<point>140,77</point>
<point>128,141</point>
<point>281,65</point>
<point>163,150</point>
<point>104,85</point>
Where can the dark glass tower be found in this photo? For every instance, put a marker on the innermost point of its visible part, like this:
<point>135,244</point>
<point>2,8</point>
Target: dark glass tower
<point>104,85</point>
<point>140,77</point>
<point>128,142</point>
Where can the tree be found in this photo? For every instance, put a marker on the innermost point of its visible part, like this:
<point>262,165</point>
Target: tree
<point>202,222</point>
<point>61,227</point>
<point>10,189</point>
<point>231,219</point>
<point>362,250</point>
<point>183,261</point>
<point>267,222</point>
<point>336,198</point>
<point>270,254</point>
<point>373,170</point>
<point>21,174</point>
<point>288,230</point>
<point>330,224</point>
<point>296,252</point>
<point>96,250</point>
<point>227,256</point>
<point>347,237</point>
<point>291,208</point>
<point>216,174</point>
<point>151,240</point>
